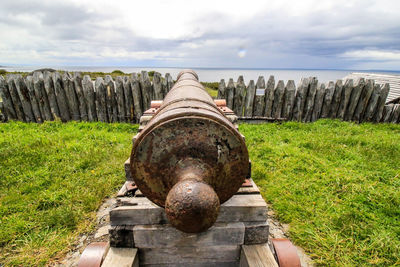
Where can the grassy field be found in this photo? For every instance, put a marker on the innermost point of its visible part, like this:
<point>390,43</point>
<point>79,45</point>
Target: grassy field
<point>335,183</point>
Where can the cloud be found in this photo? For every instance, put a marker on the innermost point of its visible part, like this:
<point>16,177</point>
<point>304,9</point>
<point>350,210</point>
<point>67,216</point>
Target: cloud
<point>274,34</point>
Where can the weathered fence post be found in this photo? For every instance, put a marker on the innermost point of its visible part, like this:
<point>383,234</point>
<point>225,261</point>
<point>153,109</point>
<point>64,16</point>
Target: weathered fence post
<point>372,103</point>
<point>327,102</point>
<point>345,98</point>
<point>101,100</point>
<point>221,89</point>
<point>240,92</point>
<point>318,102</point>
<point>170,82</point>
<point>259,100</point>
<point>355,96</point>
<point>363,101</point>
<point>90,97</point>
<point>300,100</point>
<point>73,102</point>
<point>230,94</point>
<point>138,99</point>
<point>41,96</point>
<point>381,102</point>
<point>77,78</point>
<point>14,97</point>
<point>289,97</point>
<point>249,99</point>
<point>336,99</point>
<point>278,99</point>
<point>119,85</point>
<point>147,90</point>
<point>7,101</point>
<point>395,114</point>
<point>51,95</point>
<point>309,104</point>
<point>111,100</point>
<point>61,97</point>
<point>157,86</point>
<point>33,99</point>
<point>24,97</point>
<point>129,107</point>
<point>387,112</point>
<point>269,96</point>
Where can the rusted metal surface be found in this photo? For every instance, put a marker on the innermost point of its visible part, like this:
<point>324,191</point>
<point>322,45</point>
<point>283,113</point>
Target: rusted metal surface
<point>189,137</point>
<point>93,255</point>
<point>286,253</point>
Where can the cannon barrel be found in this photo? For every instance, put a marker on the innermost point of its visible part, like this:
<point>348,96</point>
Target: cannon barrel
<point>189,158</point>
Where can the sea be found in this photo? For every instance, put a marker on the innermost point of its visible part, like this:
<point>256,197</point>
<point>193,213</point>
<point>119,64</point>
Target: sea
<point>216,74</point>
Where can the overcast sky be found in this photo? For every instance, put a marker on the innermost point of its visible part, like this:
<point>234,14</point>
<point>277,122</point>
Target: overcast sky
<point>337,34</point>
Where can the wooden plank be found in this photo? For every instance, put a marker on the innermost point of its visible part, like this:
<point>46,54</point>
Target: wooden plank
<point>61,97</point>
<point>230,94</point>
<point>354,98</point>
<point>73,102</point>
<point>327,105</point>
<point>300,100</point>
<point>381,102</point>
<point>51,94</point>
<point>33,99</point>
<point>259,101</point>
<point>318,102</point>
<point>121,257</point>
<point>221,89</point>
<point>120,96</point>
<point>15,97</point>
<point>257,256</point>
<point>269,96</point>
<point>345,98</point>
<point>288,100</point>
<point>83,110</point>
<point>7,101</point>
<point>256,233</point>
<point>157,87</point>
<point>309,103</point>
<point>41,96</point>
<point>189,255</point>
<point>129,107</point>
<point>138,99</point>
<point>146,90</point>
<point>239,208</point>
<point>101,102</point>
<point>278,100</point>
<point>363,101</point>
<point>249,99</point>
<point>166,236</point>
<point>111,100</point>
<point>239,97</point>
<point>90,97</point>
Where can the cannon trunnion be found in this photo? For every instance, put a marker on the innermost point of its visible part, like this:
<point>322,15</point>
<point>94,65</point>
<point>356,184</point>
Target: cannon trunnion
<point>189,158</point>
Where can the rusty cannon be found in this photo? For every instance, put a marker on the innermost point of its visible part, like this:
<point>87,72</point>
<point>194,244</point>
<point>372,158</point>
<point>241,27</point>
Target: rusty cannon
<point>189,158</point>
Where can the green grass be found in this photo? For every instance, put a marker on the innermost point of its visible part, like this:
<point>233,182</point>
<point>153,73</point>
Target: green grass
<point>53,177</point>
<point>336,184</point>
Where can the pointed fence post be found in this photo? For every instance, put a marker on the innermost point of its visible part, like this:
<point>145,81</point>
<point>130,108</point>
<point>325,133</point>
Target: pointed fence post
<point>269,96</point>
<point>288,100</point>
<point>51,94</point>
<point>61,97</point>
<point>33,99</point>
<point>259,100</point>
<point>327,105</point>
<point>249,99</point>
<point>101,100</point>
<point>7,101</point>
<point>278,100</point>
<point>90,97</point>
<point>336,99</point>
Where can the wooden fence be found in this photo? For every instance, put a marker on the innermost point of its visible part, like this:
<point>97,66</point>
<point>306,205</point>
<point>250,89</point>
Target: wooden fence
<point>51,96</point>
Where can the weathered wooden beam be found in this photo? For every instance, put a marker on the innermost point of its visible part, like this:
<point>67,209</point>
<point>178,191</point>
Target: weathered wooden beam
<point>146,89</point>
<point>23,94</point>
<point>33,99</point>
<point>15,97</point>
<point>249,99</point>
<point>77,78</point>
<point>221,89</point>
<point>41,96</point>
<point>101,96</point>
<point>370,110</point>
<point>129,106</point>
<point>381,102</point>
<point>120,96</point>
<point>51,94</point>
<point>7,101</point>
<point>157,87</point>
<point>327,105</point>
<point>90,97</point>
<point>318,102</point>
<point>257,255</point>
<point>259,100</point>
<point>123,257</point>
<point>170,82</point>
<point>269,96</point>
<point>278,100</point>
<point>61,97</point>
<point>73,102</point>
<point>363,101</point>
<point>289,98</point>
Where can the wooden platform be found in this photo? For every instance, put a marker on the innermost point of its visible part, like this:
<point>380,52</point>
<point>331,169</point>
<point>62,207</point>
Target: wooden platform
<point>393,80</point>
